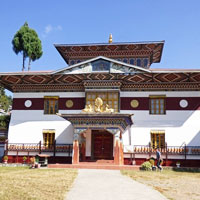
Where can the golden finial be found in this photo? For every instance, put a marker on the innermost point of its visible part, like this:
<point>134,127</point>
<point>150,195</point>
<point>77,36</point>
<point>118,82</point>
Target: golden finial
<point>110,38</point>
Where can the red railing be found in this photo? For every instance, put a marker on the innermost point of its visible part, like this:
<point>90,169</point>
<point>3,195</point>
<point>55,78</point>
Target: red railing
<point>170,150</point>
<point>39,147</point>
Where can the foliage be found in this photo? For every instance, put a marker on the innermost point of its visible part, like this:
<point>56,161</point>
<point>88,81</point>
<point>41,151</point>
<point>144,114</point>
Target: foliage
<point>4,121</point>
<point>32,160</point>
<point>5,101</point>
<point>146,166</point>
<point>26,41</point>
<point>152,161</point>
<point>5,158</point>
<point>24,158</point>
<point>3,138</point>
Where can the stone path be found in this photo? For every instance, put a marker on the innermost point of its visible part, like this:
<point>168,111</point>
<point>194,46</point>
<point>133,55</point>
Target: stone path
<point>96,184</point>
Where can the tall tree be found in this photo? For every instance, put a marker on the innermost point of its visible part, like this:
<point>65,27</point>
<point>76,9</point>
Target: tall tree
<point>27,42</point>
<point>5,101</point>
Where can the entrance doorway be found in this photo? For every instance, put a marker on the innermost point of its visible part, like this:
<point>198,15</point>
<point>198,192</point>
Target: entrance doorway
<point>102,144</point>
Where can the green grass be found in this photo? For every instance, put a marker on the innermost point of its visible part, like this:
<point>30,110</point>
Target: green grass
<point>19,183</point>
<point>174,185</point>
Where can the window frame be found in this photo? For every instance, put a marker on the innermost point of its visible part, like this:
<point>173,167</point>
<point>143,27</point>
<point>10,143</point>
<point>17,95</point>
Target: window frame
<point>48,137</point>
<point>47,108</point>
<point>159,98</point>
<point>106,99</point>
<point>157,140</point>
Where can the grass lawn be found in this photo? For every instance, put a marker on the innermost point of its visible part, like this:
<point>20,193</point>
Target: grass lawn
<point>18,183</point>
<point>173,185</point>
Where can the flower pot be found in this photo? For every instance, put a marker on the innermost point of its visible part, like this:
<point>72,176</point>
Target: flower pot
<point>178,165</point>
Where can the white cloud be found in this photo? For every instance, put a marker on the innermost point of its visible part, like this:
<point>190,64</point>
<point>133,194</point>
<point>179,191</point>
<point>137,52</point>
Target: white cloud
<point>59,28</point>
<point>49,28</point>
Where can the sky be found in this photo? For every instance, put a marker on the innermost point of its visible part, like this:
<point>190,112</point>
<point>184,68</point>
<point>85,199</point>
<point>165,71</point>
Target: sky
<point>91,21</point>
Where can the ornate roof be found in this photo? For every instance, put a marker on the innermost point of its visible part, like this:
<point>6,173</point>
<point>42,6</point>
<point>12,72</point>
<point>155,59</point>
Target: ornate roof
<point>114,120</point>
<point>27,82</point>
<point>80,52</point>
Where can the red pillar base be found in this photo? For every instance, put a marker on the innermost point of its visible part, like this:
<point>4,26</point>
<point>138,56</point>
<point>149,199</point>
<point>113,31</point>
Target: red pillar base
<point>75,157</point>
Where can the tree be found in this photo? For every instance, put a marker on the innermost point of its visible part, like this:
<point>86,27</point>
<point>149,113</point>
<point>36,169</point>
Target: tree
<point>26,41</point>
<point>5,101</point>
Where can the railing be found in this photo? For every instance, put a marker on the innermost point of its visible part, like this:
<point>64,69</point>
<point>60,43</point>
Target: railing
<point>39,147</point>
<point>170,150</point>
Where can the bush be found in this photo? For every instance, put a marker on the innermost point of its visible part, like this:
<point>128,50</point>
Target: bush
<point>5,158</point>
<point>152,161</point>
<point>146,166</point>
<point>4,121</point>
<point>24,158</point>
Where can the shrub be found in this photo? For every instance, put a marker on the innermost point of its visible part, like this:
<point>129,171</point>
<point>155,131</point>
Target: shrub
<point>146,166</point>
<point>24,158</point>
<point>152,161</point>
<point>5,158</point>
<point>4,121</point>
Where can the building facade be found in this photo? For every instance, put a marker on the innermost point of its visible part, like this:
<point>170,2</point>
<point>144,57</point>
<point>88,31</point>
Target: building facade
<point>107,104</point>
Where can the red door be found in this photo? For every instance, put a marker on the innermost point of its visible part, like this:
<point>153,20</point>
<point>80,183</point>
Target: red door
<point>102,144</point>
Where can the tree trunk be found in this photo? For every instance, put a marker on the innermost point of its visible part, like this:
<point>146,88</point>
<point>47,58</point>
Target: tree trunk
<point>29,64</point>
<point>23,67</point>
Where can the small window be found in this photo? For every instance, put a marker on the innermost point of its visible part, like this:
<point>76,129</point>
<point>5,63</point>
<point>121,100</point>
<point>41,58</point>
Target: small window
<point>100,65</point>
<point>125,60</point>
<point>145,62</point>
<point>157,105</point>
<point>48,138</point>
<point>138,62</point>
<point>158,139</point>
<point>132,61</point>
<point>50,105</point>
<point>72,62</point>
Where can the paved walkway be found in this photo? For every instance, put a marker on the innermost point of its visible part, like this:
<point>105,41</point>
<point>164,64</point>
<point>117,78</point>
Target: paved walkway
<point>96,184</point>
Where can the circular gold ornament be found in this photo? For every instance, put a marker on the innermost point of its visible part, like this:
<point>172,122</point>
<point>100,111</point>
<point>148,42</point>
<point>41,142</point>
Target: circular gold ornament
<point>134,103</point>
<point>69,103</point>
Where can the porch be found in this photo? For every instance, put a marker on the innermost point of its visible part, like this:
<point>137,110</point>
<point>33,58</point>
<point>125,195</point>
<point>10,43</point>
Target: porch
<point>132,154</point>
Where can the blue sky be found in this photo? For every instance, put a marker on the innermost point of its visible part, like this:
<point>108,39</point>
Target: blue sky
<point>90,21</point>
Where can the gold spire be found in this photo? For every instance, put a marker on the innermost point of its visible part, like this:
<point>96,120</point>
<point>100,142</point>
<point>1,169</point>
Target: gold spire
<point>110,38</point>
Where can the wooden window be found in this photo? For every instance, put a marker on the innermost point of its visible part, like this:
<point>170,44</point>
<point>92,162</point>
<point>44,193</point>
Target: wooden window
<point>158,139</point>
<point>157,105</point>
<point>48,138</point>
<point>110,98</point>
<point>50,105</point>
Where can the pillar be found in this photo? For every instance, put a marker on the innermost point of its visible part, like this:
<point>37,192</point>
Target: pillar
<point>75,154</point>
<point>118,150</point>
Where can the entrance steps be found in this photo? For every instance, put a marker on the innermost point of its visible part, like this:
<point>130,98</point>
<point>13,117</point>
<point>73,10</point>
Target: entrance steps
<point>95,165</point>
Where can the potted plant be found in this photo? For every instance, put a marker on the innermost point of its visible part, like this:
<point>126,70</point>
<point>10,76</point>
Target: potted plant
<point>178,164</point>
<point>24,159</point>
<point>5,159</point>
<point>32,161</point>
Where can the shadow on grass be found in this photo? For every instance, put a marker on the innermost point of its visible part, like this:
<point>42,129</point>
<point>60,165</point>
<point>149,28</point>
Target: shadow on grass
<point>184,169</point>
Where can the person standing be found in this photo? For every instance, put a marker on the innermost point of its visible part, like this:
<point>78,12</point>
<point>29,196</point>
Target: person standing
<point>158,157</point>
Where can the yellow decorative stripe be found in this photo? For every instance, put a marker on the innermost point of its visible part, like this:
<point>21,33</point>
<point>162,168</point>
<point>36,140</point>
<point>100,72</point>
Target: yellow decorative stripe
<point>51,97</point>
<point>158,132</point>
<point>157,96</point>
<point>48,131</point>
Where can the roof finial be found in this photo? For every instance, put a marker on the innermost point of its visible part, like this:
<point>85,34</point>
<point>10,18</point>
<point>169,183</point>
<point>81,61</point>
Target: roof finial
<point>110,38</point>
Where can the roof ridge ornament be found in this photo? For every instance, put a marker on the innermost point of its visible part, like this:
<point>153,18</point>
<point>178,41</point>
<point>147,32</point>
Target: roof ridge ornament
<point>110,39</point>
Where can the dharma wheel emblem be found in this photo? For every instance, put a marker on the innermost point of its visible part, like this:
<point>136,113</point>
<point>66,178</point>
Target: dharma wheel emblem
<point>69,103</point>
<point>134,103</point>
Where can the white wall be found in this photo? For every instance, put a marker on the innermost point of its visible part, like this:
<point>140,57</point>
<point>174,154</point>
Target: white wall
<point>28,126</point>
<point>42,94</point>
<point>180,126</point>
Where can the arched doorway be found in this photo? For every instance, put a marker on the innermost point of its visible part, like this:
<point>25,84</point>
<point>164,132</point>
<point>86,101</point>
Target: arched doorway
<point>102,144</point>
